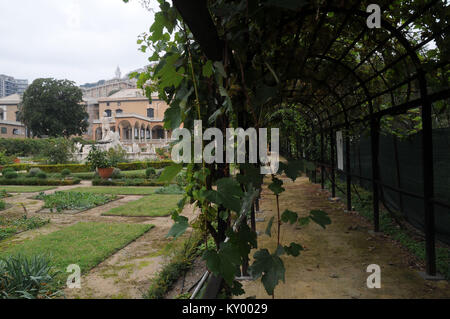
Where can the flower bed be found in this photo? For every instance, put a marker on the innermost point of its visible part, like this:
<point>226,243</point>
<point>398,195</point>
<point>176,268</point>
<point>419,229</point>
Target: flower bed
<point>10,227</point>
<point>73,201</point>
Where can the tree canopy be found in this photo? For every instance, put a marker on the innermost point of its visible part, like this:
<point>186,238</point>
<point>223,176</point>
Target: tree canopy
<point>53,108</point>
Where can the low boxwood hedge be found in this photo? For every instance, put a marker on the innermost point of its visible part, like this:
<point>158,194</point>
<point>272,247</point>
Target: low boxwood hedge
<point>38,181</point>
<point>82,168</point>
<point>130,182</point>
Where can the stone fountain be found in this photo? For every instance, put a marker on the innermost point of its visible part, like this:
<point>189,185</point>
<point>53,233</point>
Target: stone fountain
<point>111,139</point>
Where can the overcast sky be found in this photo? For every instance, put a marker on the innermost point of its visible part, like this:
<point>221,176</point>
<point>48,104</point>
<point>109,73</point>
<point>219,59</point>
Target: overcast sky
<point>80,40</point>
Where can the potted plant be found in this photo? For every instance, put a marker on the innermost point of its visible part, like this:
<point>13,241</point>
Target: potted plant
<point>99,160</point>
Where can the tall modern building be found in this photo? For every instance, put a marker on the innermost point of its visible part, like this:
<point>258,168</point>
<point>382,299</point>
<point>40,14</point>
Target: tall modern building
<point>9,85</point>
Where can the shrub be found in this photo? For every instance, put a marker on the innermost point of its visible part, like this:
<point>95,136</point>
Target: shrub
<point>170,189</point>
<point>4,159</point>
<point>150,172</point>
<point>38,182</point>
<point>8,169</point>
<point>2,205</point>
<point>11,175</point>
<point>26,277</point>
<point>127,182</point>
<point>117,155</point>
<point>41,175</point>
<point>116,174</point>
<point>59,150</point>
<point>65,172</point>
<point>34,171</point>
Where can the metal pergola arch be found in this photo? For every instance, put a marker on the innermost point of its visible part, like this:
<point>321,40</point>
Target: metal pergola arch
<point>331,106</point>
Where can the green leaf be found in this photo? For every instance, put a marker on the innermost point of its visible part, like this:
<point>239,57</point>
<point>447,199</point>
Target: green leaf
<point>178,229</point>
<point>293,250</point>
<point>269,227</point>
<point>170,172</point>
<point>172,116</point>
<point>207,69</point>
<point>289,216</point>
<point>270,267</point>
<point>225,262</point>
<point>303,221</point>
<point>252,175</point>
<point>219,67</point>
<point>287,4</point>
<point>293,169</point>
<point>276,186</point>
<point>320,217</point>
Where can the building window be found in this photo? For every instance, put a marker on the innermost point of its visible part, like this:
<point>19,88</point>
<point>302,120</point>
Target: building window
<point>107,103</point>
<point>118,103</point>
<point>17,116</point>
<point>108,113</point>
<point>150,113</point>
<point>119,111</point>
<point>2,115</point>
<point>16,131</point>
<point>4,130</point>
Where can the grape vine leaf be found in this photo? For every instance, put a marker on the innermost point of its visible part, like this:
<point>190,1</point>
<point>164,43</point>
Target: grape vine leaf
<point>320,217</point>
<point>293,249</point>
<point>270,267</point>
<point>289,216</point>
<point>179,227</point>
<point>269,227</point>
<point>276,186</point>
<point>170,172</point>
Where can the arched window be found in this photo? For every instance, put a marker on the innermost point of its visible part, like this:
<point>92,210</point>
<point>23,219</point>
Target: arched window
<point>119,111</point>
<point>150,112</point>
<point>108,113</point>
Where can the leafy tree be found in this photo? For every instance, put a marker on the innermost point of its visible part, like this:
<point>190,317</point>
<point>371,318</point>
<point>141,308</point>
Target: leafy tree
<point>53,108</point>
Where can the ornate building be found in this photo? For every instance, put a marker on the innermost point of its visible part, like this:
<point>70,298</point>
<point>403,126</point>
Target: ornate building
<point>133,116</point>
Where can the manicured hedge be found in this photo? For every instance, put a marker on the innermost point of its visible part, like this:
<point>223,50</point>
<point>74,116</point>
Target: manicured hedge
<point>39,182</point>
<point>137,182</point>
<point>82,168</point>
<point>143,165</point>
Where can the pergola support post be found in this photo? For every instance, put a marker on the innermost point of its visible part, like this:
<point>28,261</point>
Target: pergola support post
<point>322,159</point>
<point>348,170</point>
<point>333,164</point>
<point>428,188</point>
<point>375,147</point>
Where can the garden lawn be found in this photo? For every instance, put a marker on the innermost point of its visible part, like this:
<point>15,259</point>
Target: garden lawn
<point>83,244</point>
<point>114,190</point>
<point>26,189</point>
<point>149,206</point>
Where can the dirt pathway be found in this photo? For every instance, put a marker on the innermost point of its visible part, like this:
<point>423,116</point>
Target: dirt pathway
<point>335,260</point>
<point>125,274</point>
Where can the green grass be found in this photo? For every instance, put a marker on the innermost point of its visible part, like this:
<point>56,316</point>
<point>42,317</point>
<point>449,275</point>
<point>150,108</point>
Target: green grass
<point>150,206</point>
<point>83,244</point>
<point>26,189</point>
<point>115,190</point>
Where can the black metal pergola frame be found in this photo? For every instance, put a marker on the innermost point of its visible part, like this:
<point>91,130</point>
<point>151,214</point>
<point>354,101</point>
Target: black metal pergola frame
<point>325,101</point>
